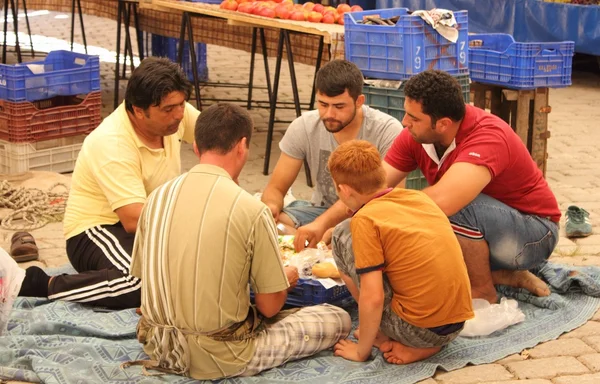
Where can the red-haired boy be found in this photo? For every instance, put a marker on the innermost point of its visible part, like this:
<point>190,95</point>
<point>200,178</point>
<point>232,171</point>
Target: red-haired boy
<point>400,260</point>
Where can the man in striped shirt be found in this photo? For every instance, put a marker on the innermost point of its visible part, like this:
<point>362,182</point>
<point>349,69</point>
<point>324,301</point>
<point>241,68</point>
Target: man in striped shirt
<point>201,241</point>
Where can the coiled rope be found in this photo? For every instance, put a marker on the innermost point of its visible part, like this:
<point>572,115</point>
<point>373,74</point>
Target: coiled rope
<point>32,207</point>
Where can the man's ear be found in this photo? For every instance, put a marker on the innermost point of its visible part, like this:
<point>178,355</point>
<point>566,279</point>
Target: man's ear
<point>242,145</point>
<point>443,124</point>
<point>196,149</point>
<point>138,112</point>
<point>360,100</point>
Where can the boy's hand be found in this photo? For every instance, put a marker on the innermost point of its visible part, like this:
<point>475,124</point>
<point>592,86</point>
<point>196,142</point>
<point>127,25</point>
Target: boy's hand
<point>310,233</point>
<point>348,350</point>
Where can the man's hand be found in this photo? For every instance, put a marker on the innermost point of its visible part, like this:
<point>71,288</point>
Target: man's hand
<point>311,233</point>
<point>327,236</point>
<point>292,276</point>
<point>348,350</point>
<point>275,210</point>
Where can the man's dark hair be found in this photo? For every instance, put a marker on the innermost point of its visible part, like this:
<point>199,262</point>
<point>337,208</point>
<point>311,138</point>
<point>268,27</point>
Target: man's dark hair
<point>439,93</point>
<point>154,79</point>
<point>221,126</point>
<point>337,76</point>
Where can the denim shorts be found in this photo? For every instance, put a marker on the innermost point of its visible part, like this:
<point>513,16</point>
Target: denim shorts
<point>516,240</point>
<point>392,325</point>
<point>302,212</point>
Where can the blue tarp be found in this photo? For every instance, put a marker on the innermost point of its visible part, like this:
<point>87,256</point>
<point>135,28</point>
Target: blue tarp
<point>526,20</point>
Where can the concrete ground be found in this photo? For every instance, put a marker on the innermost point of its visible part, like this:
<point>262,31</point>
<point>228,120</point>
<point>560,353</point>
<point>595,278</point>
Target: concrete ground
<point>573,173</point>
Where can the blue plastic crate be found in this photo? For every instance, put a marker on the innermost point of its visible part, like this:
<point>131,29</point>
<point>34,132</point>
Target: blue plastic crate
<point>61,73</point>
<point>310,292</point>
<point>168,47</point>
<point>416,180</point>
<point>400,51</point>
<point>497,59</point>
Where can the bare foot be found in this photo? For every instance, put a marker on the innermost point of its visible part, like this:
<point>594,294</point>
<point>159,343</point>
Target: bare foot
<point>379,339</point>
<point>521,279</point>
<point>485,293</point>
<point>397,353</point>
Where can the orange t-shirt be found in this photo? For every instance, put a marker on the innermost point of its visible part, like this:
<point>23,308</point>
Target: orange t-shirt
<point>407,236</point>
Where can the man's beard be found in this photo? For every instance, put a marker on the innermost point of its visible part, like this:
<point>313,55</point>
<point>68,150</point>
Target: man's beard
<point>341,124</point>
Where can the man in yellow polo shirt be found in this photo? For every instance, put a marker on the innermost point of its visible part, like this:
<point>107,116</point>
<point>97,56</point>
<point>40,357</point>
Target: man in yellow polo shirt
<point>133,151</point>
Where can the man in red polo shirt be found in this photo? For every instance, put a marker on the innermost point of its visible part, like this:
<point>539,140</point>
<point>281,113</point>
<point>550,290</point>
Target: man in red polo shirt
<point>482,176</point>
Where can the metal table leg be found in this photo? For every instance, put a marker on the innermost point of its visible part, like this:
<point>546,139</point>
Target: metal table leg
<point>251,75</point>
<point>317,67</point>
<point>28,26</point>
<point>80,13</point>
<point>119,16</point>
<point>263,43</point>
<point>186,23</point>
<point>273,103</point>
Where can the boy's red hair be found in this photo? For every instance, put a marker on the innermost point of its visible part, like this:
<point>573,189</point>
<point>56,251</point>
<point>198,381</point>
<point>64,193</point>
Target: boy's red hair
<point>357,163</point>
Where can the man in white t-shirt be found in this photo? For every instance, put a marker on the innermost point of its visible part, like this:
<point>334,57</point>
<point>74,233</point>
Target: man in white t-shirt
<point>340,116</point>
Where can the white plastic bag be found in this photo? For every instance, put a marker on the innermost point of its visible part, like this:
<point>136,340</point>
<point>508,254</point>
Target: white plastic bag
<point>490,318</point>
<point>11,278</point>
<point>305,260</point>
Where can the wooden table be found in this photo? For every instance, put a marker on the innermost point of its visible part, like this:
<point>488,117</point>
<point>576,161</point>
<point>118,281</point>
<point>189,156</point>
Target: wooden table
<point>526,111</point>
<point>308,43</point>
<point>326,34</point>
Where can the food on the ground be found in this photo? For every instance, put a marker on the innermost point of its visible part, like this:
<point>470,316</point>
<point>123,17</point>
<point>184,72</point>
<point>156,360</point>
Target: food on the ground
<point>325,270</point>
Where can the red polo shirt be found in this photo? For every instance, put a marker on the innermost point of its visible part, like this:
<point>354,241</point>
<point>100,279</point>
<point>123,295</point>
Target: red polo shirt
<point>483,139</point>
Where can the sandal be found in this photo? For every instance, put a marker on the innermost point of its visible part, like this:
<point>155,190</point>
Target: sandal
<point>23,247</point>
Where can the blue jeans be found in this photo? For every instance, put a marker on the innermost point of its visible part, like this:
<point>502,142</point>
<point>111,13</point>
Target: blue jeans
<point>516,240</point>
<point>302,212</point>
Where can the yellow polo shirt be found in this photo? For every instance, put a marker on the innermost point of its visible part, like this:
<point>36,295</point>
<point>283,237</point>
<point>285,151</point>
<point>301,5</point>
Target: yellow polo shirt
<point>114,168</point>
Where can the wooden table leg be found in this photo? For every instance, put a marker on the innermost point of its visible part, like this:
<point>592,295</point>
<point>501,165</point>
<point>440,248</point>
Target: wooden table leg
<point>540,132</point>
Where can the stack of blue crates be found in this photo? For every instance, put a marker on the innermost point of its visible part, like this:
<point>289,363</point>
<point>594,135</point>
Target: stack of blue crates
<point>397,52</point>
<point>168,47</point>
<point>31,109</point>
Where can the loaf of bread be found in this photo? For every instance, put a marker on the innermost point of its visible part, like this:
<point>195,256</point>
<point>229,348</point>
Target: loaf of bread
<point>325,270</point>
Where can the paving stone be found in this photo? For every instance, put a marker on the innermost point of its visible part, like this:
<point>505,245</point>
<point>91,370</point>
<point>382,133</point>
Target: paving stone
<point>591,328</point>
<point>592,361</point>
<point>590,240</point>
<point>510,359</point>
<point>476,374</point>
<point>546,368</point>
<point>582,379</point>
<point>533,381</point>
<point>563,347</point>
<point>593,341</point>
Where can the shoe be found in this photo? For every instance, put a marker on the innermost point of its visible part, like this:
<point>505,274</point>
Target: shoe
<point>578,222</point>
<point>23,247</point>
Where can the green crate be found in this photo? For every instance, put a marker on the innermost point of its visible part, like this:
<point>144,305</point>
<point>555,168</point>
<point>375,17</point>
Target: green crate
<point>391,101</point>
<point>416,180</point>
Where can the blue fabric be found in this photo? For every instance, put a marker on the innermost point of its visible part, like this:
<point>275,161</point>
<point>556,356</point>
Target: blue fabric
<point>526,20</point>
<point>60,342</point>
<point>302,212</point>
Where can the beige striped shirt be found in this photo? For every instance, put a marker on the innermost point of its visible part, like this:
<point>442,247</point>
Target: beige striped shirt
<point>200,240</point>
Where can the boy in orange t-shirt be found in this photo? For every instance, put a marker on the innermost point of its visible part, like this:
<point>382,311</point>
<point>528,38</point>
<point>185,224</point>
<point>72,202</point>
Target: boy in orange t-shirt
<point>400,260</point>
